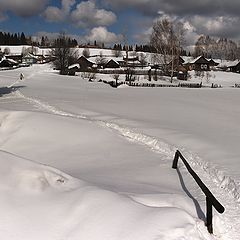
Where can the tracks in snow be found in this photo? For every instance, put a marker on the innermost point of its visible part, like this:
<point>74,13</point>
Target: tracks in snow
<point>226,190</point>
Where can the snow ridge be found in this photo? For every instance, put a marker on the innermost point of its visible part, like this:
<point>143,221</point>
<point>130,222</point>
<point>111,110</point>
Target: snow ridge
<point>226,190</point>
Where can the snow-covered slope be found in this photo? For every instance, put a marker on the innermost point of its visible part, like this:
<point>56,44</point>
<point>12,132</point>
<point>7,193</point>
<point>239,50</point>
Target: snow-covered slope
<point>41,202</point>
<point>119,145</point>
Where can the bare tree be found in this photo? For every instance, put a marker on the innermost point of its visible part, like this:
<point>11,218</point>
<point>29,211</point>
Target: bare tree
<point>86,52</point>
<point>117,53</point>
<point>142,59</point>
<point>100,60</point>
<point>160,39</point>
<point>63,54</point>
<point>7,50</point>
<point>166,39</point>
<point>116,77</point>
<point>130,74</point>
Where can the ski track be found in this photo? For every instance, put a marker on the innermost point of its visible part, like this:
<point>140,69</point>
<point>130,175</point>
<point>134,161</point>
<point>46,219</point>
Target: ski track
<point>225,189</point>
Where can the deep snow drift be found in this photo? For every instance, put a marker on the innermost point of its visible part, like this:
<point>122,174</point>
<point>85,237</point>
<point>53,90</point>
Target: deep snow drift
<point>40,202</point>
<point>119,145</point>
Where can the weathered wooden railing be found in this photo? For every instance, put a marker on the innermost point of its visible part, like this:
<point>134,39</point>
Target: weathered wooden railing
<point>210,199</point>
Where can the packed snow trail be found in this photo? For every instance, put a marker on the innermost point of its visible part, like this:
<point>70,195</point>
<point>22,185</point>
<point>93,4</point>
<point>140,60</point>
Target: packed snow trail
<point>226,190</point>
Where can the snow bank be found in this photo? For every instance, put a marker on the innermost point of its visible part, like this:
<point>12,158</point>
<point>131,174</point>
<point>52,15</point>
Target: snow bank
<point>40,202</point>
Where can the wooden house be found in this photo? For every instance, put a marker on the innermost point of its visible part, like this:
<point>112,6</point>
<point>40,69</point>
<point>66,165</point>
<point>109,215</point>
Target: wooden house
<point>212,63</point>
<point>131,61</point>
<point>8,63</point>
<point>72,69</point>
<point>85,64</point>
<point>29,59</point>
<point>15,57</point>
<point>176,62</point>
<point>199,64</point>
<point>112,64</point>
<point>235,68</point>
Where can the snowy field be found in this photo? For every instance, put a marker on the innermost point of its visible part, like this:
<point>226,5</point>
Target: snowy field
<point>82,160</point>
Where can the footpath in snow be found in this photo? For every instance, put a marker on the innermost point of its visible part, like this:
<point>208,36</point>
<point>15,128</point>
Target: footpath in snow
<point>135,175</point>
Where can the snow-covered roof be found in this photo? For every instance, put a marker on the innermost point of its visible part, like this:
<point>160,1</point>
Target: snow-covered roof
<point>225,63</point>
<point>29,55</point>
<point>195,59</point>
<point>113,60</point>
<point>74,66</point>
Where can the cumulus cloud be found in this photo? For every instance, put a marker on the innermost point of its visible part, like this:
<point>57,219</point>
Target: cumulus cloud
<point>101,34</point>
<point>219,26</point>
<point>23,8</point>
<point>84,14</point>
<point>180,7</point>
<point>55,14</point>
<point>87,14</point>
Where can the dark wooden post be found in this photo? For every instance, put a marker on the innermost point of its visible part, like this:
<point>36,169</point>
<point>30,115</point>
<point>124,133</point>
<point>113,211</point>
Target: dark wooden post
<point>209,215</point>
<point>211,201</point>
<point>175,161</point>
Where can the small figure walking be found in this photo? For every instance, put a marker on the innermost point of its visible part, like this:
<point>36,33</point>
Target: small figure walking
<point>21,76</point>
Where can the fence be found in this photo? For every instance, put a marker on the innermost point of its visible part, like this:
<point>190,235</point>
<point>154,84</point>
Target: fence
<point>210,199</point>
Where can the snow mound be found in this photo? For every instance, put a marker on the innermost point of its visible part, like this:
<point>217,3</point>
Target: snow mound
<point>40,202</point>
<point>26,176</point>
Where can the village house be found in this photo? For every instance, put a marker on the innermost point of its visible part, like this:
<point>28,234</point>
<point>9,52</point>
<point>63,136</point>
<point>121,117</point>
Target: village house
<point>198,64</point>
<point>29,59</point>
<point>131,61</point>
<point>112,64</point>
<point>15,57</point>
<point>8,63</point>
<point>72,69</point>
<point>85,64</point>
<point>212,63</point>
<point>235,68</point>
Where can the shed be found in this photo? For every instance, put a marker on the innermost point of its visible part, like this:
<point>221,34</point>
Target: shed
<point>182,73</point>
<point>72,69</point>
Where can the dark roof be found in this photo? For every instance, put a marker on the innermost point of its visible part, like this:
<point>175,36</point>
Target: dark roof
<point>112,64</point>
<point>201,60</point>
<point>212,62</point>
<point>236,65</point>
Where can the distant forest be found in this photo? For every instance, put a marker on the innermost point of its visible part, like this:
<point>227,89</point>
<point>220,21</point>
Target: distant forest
<point>12,39</point>
<point>21,39</point>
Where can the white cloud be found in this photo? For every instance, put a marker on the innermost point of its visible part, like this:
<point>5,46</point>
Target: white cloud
<point>84,14</point>
<point>102,35</point>
<point>55,14</point>
<point>219,26</point>
<point>87,14</point>
<point>23,8</point>
<point>143,37</point>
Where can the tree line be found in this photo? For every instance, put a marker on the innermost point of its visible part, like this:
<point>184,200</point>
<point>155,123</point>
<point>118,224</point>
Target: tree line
<point>222,48</point>
<point>12,38</point>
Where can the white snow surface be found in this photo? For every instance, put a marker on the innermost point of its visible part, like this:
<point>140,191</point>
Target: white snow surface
<point>82,160</point>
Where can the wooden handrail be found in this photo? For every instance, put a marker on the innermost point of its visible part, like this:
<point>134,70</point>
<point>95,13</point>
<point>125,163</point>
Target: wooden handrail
<point>210,199</point>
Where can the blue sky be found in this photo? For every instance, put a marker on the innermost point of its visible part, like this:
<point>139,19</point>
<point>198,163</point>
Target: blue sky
<point>108,20</point>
